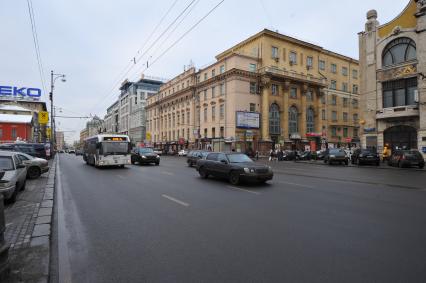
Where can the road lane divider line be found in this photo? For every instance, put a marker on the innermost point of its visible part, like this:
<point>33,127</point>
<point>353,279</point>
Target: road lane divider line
<point>175,200</point>
<point>243,190</point>
<point>295,184</point>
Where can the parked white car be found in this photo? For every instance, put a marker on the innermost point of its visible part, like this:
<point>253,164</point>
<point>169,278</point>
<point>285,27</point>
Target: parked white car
<point>183,152</point>
<point>35,166</point>
<point>14,175</point>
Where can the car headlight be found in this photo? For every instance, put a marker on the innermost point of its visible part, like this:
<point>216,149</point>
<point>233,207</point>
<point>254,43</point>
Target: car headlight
<point>158,156</point>
<point>143,156</point>
<point>5,184</point>
<point>360,155</point>
<point>269,168</point>
<point>101,163</point>
<point>332,156</point>
<point>246,170</point>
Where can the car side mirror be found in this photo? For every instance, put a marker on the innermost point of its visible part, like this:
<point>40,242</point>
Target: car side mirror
<point>224,161</point>
<point>20,166</point>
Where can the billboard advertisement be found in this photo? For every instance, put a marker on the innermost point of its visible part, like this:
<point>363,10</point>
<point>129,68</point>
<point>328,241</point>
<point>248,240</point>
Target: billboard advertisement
<point>247,120</point>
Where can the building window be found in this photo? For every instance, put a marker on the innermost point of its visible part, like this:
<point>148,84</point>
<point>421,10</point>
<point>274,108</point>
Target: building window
<point>293,126</point>
<point>334,115</point>
<point>222,89</point>
<point>187,117</point>
<point>399,93</point>
<point>222,132</point>
<point>136,100</point>
<point>355,132</point>
<point>322,65</point>
<point>213,132</point>
<point>222,69</point>
<point>355,103</point>
<point>355,74</point>
<point>345,132</point>
<point>323,99</point>
<point>310,121</point>
<point>222,111</point>
<point>205,114</point>
<point>293,92</point>
<point>183,119</point>
<point>213,72</point>
<point>355,89</point>
<point>252,107</point>
<point>345,87</point>
<point>293,57</point>
<point>345,102</point>
<point>333,68</point>
<point>205,76</point>
<point>274,53</point>
<point>344,71</point>
<point>205,133</point>
<point>355,117</point>
<point>274,120</point>
<point>323,117</point>
<point>334,100</point>
<point>253,87</point>
<point>274,89</point>
<point>345,116</point>
<point>333,85</point>
<point>14,135</point>
<point>399,51</point>
<point>205,94</point>
<point>309,95</point>
<point>252,67</point>
<point>309,62</point>
<point>1,133</point>
<point>213,92</point>
<point>333,132</point>
<point>213,113</point>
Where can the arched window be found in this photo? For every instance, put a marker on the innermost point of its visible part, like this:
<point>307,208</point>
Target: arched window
<point>399,51</point>
<point>274,120</point>
<point>310,121</point>
<point>292,120</point>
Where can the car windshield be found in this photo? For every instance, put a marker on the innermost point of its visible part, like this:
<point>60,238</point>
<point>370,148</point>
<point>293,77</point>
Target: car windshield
<point>146,150</point>
<point>336,151</point>
<point>239,158</point>
<point>6,163</point>
<point>115,147</point>
<point>27,156</point>
<point>366,151</point>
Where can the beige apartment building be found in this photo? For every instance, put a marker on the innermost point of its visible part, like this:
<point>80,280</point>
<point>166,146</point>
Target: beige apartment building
<point>268,90</point>
<point>393,86</point>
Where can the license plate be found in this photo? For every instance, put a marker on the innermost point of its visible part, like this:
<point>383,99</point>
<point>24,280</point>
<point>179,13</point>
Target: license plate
<point>370,156</point>
<point>116,161</point>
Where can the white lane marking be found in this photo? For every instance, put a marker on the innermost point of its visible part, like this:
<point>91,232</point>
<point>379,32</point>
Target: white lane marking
<point>243,190</point>
<point>121,177</point>
<point>175,200</point>
<point>167,173</point>
<point>295,184</point>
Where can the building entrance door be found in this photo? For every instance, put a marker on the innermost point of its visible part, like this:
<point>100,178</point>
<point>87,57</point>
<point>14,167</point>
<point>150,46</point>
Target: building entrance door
<point>401,137</point>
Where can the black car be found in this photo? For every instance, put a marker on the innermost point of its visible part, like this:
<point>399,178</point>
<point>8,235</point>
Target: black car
<point>336,155</point>
<point>144,155</point>
<point>195,155</point>
<point>34,149</point>
<point>407,158</point>
<point>235,167</point>
<point>365,156</point>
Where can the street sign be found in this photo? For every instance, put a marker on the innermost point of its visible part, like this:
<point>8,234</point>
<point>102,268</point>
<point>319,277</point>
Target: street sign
<point>148,136</point>
<point>48,132</point>
<point>43,117</point>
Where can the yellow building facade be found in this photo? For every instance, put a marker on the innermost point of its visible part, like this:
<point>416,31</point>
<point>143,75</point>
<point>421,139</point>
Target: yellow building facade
<point>295,94</point>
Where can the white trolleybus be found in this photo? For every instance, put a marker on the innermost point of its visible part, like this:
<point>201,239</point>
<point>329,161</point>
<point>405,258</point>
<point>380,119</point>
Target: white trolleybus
<point>107,150</point>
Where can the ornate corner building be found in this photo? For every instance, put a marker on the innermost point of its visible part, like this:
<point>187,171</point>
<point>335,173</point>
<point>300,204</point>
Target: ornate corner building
<point>267,90</point>
<point>393,85</point>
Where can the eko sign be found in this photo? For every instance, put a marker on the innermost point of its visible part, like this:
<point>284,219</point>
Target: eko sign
<point>19,92</point>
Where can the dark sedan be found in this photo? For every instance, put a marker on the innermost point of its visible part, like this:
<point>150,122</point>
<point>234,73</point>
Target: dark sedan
<point>365,156</point>
<point>235,167</point>
<point>407,158</point>
<point>144,155</point>
<point>336,155</point>
<point>195,155</point>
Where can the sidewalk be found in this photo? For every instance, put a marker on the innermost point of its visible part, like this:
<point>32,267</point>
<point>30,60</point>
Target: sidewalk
<point>28,228</point>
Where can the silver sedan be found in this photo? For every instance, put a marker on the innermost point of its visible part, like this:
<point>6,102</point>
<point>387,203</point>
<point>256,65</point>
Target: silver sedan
<point>35,166</point>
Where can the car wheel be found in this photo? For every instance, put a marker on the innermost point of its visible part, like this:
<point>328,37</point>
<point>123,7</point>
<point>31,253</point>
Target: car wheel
<point>203,173</point>
<point>399,164</point>
<point>346,163</point>
<point>234,178</point>
<point>12,199</point>
<point>378,163</point>
<point>189,164</point>
<point>422,166</point>
<point>132,160</point>
<point>33,172</point>
<point>157,163</point>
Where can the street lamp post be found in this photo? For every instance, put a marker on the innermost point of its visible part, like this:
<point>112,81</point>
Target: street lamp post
<point>53,78</point>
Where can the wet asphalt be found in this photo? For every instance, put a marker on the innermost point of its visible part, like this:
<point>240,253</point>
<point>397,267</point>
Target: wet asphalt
<point>311,223</point>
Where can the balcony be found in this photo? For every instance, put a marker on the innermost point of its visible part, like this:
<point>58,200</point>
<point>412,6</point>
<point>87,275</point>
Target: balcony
<point>396,112</point>
<point>275,71</point>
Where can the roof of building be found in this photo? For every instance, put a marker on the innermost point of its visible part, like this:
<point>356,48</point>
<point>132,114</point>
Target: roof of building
<point>13,108</point>
<point>13,118</point>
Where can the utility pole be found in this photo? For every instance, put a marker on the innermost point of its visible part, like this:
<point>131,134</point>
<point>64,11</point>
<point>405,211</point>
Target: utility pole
<point>53,78</point>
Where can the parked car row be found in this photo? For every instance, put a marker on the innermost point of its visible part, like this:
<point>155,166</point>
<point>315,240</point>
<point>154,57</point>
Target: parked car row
<point>34,149</point>
<point>15,169</point>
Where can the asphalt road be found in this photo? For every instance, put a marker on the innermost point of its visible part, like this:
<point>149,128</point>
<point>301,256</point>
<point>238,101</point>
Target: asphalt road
<point>311,223</point>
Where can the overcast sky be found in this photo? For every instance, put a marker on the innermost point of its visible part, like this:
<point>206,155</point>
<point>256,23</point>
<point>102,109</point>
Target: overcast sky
<point>92,41</point>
